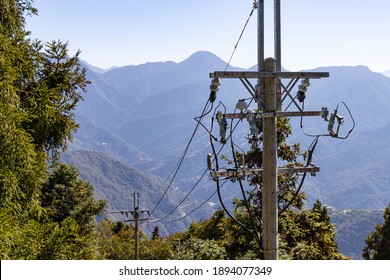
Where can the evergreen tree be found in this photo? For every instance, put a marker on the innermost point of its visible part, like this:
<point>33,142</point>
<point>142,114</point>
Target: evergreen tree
<point>378,242</point>
<point>43,215</point>
<point>65,195</point>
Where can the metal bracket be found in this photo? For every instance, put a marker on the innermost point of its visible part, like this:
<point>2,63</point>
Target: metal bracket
<point>252,172</point>
<point>257,75</point>
<point>249,114</point>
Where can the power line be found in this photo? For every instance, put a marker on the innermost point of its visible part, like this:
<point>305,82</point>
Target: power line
<point>242,32</point>
<point>198,207</point>
<point>198,119</point>
<point>177,168</point>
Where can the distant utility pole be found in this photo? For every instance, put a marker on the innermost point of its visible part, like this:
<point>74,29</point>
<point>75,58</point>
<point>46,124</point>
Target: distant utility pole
<point>136,213</point>
<point>269,95</point>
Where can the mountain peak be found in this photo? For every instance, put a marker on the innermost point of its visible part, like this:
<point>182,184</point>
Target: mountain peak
<point>203,57</point>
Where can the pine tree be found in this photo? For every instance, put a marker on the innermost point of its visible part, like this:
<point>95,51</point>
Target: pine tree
<point>378,242</point>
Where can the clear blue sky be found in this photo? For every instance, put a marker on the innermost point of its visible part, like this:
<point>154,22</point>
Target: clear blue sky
<point>130,32</point>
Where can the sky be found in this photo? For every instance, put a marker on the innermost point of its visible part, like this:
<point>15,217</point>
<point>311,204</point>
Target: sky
<point>315,33</point>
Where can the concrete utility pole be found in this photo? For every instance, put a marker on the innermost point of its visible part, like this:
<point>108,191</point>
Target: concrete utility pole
<point>270,94</point>
<point>136,213</point>
<point>270,168</point>
<point>136,218</point>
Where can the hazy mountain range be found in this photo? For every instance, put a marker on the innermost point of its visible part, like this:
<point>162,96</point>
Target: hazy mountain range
<point>135,123</point>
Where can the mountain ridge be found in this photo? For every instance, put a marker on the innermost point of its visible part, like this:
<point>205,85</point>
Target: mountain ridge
<point>160,122</point>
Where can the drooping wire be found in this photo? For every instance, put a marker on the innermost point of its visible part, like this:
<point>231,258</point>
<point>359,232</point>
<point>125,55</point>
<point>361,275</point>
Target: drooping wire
<point>198,207</point>
<point>353,122</point>
<point>198,119</point>
<point>220,195</point>
<point>181,202</point>
<point>179,163</point>
<point>241,185</point>
<point>327,134</point>
<point>204,173</point>
<point>309,159</point>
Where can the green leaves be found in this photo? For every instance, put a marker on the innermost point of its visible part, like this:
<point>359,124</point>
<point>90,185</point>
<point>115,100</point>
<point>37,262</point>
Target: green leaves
<point>52,95</point>
<point>65,195</point>
<point>43,214</point>
<point>378,242</point>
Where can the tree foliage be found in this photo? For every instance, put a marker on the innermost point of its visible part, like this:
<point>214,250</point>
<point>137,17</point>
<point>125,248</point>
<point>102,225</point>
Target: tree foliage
<point>378,242</point>
<point>44,213</point>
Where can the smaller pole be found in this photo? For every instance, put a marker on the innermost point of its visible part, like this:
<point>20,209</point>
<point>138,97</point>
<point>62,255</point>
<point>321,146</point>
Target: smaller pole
<point>136,216</point>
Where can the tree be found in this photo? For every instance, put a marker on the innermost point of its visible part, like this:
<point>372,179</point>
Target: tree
<point>308,235</point>
<point>40,86</point>
<point>378,242</point>
<point>65,195</point>
<point>51,94</point>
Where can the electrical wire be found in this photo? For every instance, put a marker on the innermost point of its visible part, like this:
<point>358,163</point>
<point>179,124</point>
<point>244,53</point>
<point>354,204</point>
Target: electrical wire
<point>198,119</point>
<point>192,189</point>
<point>220,195</point>
<point>328,135</point>
<point>198,207</point>
<point>241,185</point>
<point>353,122</point>
<point>309,158</point>
<point>181,202</point>
<point>180,162</point>
<point>242,33</point>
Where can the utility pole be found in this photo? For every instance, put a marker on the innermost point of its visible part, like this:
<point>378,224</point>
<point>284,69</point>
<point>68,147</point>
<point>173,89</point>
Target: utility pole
<point>136,213</point>
<point>136,219</point>
<point>270,166</point>
<point>269,93</point>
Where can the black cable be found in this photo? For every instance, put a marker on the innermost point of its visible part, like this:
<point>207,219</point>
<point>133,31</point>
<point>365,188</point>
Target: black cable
<point>309,158</point>
<point>241,185</point>
<point>211,136</point>
<point>353,122</point>
<point>198,207</point>
<point>328,135</point>
<point>178,165</point>
<point>181,202</point>
<point>220,196</point>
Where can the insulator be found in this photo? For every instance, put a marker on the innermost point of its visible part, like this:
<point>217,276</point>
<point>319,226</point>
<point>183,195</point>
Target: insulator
<point>305,82</point>
<point>209,162</point>
<point>223,125</point>
<point>301,95</point>
<point>241,105</point>
<point>331,121</point>
<point>216,82</point>
<point>214,87</point>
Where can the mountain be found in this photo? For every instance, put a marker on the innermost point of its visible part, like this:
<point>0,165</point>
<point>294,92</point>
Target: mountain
<point>92,137</point>
<point>116,182</point>
<point>386,73</point>
<point>97,69</point>
<point>352,229</point>
<point>150,109</point>
<point>353,171</point>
